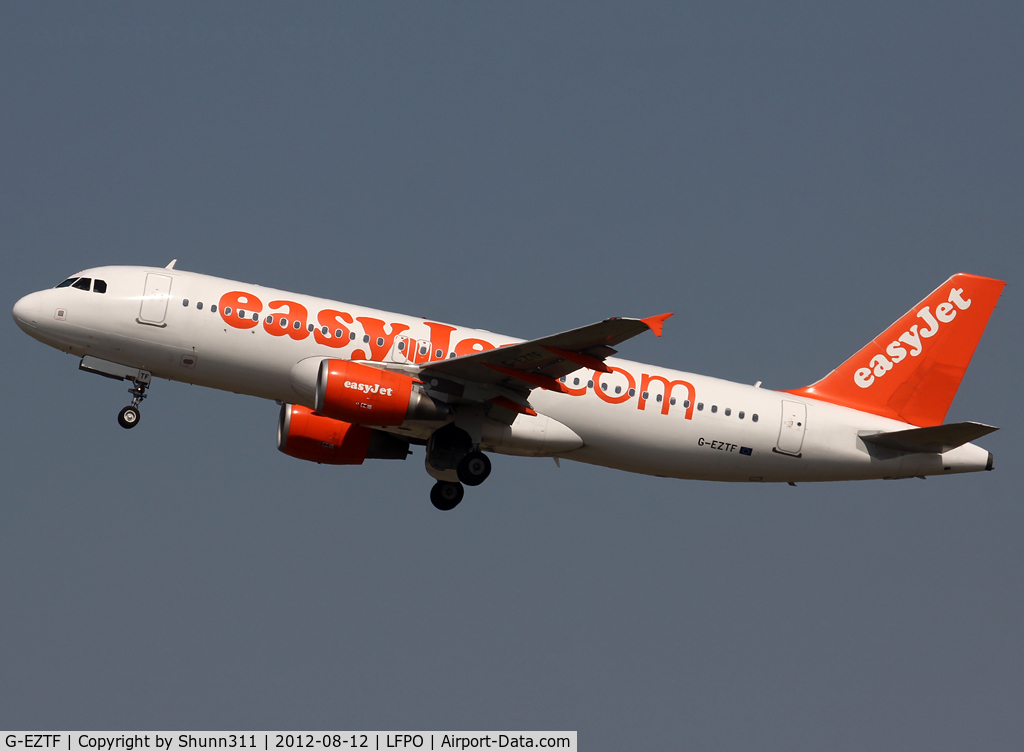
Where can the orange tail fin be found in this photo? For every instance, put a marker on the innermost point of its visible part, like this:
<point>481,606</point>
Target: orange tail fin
<point>912,370</point>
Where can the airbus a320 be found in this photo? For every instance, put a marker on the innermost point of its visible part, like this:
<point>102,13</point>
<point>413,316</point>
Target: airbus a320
<point>356,383</point>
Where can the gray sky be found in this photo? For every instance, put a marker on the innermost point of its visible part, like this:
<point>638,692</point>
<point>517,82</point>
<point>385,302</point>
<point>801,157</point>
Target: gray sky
<point>788,178</point>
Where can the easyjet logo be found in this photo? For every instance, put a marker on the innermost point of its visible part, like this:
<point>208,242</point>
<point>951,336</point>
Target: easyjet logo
<point>913,338</point>
<point>369,388</point>
<point>338,329</point>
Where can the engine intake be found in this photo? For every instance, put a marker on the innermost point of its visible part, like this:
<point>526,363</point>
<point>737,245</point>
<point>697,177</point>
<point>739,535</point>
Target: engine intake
<point>303,434</point>
<point>365,395</point>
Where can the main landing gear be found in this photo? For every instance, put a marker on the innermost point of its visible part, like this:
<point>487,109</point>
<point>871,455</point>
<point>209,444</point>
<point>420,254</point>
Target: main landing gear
<point>474,468</point>
<point>446,495</point>
<point>129,416</point>
<point>454,462</point>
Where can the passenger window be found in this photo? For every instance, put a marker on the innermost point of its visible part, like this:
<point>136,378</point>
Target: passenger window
<point>645,395</point>
<point>67,282</point>
<point>740,416</point>
<point>310,327</point>
<point>213,308</point>
<point>82,283</point>
<point>658,398</point>
<point>199,306</point>
<point>255,317</point>
<point>366,338</point>
<point>686,403</point>
<point>99,285</point>
<point>297,325</point>
<point>324,331</point>
<point>337,333</point>
<point>754,417</point>
<point>284,322</point>
<point>700,405</point>
<point>576,381</point>
<point>380,342</point>
<point>714,408</point>
<point>728,411</point>
<point>672,401</point>
<point>440,354</point>
<point>227,311</point>
<point>351,335</point>
<point>185,302</point>
<point>632,392</point>
<point>562,379</point>
<point>618,390</point>
<point>590,384</point>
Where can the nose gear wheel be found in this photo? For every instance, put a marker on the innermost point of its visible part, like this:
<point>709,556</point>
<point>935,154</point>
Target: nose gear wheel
<point>128,417</point>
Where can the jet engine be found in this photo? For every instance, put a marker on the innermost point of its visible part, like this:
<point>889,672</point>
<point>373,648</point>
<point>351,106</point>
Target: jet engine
<point>362,394</point>
<point>303,434</point>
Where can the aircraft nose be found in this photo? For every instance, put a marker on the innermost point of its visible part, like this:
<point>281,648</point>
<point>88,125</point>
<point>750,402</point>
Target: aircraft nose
<point>26,311</point>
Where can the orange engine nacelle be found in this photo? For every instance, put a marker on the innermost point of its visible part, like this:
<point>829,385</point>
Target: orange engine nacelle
<point>307,436</point>
<point>303,434</point>
<point>370,396</point>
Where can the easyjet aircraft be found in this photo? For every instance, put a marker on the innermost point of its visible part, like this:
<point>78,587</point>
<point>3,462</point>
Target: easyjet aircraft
<point>357,384</point>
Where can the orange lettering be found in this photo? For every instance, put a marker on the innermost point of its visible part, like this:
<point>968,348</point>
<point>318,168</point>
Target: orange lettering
<point>375,329</point>
<point>440,339</point>
<point>645,382</point>
<point>470,346</point>
<point>282,325</point>
<point>574,392</point>
<point>240,301</point>
<point>333,320</point>
<point>620,398</point>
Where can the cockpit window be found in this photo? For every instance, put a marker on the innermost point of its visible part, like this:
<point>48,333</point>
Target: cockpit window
<point>82,283</point>
<point>68,282</point>
<point>99,285</point>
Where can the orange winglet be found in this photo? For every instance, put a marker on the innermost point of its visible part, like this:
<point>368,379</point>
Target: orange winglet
<point>656,322</point>
<point>587,361</point>
<point>513,406</point>
<point>537,379</point>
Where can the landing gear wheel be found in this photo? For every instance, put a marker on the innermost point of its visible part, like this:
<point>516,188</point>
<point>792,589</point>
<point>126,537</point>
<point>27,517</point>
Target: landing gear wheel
<point>446,495</point>
<point>474,468</point>
<point>129,417</point>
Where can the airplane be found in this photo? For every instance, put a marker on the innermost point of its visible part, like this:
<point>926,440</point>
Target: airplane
<point>356,383</point>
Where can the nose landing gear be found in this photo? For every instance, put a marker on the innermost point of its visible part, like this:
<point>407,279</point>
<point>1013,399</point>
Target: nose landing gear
<point>129,416</point>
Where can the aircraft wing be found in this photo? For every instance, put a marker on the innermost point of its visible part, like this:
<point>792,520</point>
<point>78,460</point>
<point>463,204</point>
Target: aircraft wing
<point>542,362</point>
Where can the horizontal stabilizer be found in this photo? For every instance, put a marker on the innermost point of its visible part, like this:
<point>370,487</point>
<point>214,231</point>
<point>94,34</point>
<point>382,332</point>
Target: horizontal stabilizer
<point>931,440</point>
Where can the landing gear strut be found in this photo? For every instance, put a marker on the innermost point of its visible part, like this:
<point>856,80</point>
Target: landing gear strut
<point>129,416</point>
<point>446,495</point>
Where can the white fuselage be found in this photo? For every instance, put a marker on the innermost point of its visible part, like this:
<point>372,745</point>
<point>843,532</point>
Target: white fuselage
<point>725,431</point>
